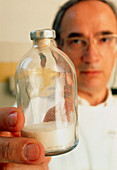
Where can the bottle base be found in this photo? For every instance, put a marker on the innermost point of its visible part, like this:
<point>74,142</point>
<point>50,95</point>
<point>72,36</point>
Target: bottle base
<point>59,152</point>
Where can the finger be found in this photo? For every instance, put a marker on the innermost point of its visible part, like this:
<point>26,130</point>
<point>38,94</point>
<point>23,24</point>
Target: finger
<point>12,166</point>
<point>11,119</point>
<point>21,150</point>
<point>47,160</point>
<point>9,134</point>
<point>50,115</point>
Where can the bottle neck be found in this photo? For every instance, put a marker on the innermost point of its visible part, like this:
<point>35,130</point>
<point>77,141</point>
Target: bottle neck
<point>40,43</point>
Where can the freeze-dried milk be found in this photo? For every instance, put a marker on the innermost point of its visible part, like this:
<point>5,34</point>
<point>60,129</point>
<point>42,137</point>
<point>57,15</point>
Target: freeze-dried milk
<point>54,136</point>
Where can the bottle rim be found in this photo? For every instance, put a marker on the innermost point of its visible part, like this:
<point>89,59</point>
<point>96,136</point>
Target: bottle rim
<point>43,33</point>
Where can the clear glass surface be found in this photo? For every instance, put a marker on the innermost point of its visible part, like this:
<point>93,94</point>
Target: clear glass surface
<point>46,90</point>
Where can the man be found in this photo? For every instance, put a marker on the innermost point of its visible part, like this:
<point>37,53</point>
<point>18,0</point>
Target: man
<point>87,33</point>
<point>88,36</point>
<point>76,43</point>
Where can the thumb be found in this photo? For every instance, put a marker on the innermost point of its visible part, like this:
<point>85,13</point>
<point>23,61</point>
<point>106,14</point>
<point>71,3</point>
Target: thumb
<point>11,119</point>
<point>21,150</point>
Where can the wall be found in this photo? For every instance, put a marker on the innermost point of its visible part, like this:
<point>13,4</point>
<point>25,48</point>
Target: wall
<point>17,20</point>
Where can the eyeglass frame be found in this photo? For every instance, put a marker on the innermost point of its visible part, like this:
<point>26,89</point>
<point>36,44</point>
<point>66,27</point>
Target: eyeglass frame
<point>111,35</point>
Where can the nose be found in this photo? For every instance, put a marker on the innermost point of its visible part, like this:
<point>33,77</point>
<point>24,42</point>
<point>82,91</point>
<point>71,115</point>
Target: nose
<point>91,54</point>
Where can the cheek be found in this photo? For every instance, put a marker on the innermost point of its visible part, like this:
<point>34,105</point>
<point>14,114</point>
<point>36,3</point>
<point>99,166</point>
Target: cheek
<point>108,72</point>
<point>107,66</point>
<point>108,63</point>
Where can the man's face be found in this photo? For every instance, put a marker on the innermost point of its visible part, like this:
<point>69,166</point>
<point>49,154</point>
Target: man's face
<point>93,61</point>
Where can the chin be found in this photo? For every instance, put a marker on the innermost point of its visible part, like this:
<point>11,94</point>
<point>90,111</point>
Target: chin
<point>91,87</point>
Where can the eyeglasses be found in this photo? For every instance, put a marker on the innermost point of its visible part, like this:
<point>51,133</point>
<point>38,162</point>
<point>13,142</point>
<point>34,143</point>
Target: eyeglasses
<point>103,43</point>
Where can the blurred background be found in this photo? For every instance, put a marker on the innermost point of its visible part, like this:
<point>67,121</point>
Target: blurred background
<point>17,20</point>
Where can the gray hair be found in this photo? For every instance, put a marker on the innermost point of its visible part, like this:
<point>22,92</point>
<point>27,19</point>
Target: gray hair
<point>58,18</point>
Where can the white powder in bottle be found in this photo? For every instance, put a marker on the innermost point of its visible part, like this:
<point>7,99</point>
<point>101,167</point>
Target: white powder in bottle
<point>54,136</point>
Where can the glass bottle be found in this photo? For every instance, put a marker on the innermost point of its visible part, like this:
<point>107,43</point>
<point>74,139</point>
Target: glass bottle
<point>46,92</point>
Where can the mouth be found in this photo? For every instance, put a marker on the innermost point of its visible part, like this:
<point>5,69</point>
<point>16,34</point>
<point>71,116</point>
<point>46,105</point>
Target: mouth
<point>90,73</point>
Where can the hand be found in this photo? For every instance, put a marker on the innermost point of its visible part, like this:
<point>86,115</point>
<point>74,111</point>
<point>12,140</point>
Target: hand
<point>17,152</point>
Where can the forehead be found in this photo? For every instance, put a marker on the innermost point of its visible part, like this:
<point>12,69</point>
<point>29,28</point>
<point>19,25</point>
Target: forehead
<point>88,17</point>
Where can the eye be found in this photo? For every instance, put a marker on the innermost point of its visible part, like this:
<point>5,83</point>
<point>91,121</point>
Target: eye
<point>76,41</point>
<point>106,39</point>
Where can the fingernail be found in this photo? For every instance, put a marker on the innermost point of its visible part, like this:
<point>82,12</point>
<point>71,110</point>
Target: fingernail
<point>31,152</point>
<point>12,119</point>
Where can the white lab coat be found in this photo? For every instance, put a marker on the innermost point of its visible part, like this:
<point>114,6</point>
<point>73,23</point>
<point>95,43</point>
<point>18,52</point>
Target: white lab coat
<point>97,148</point>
